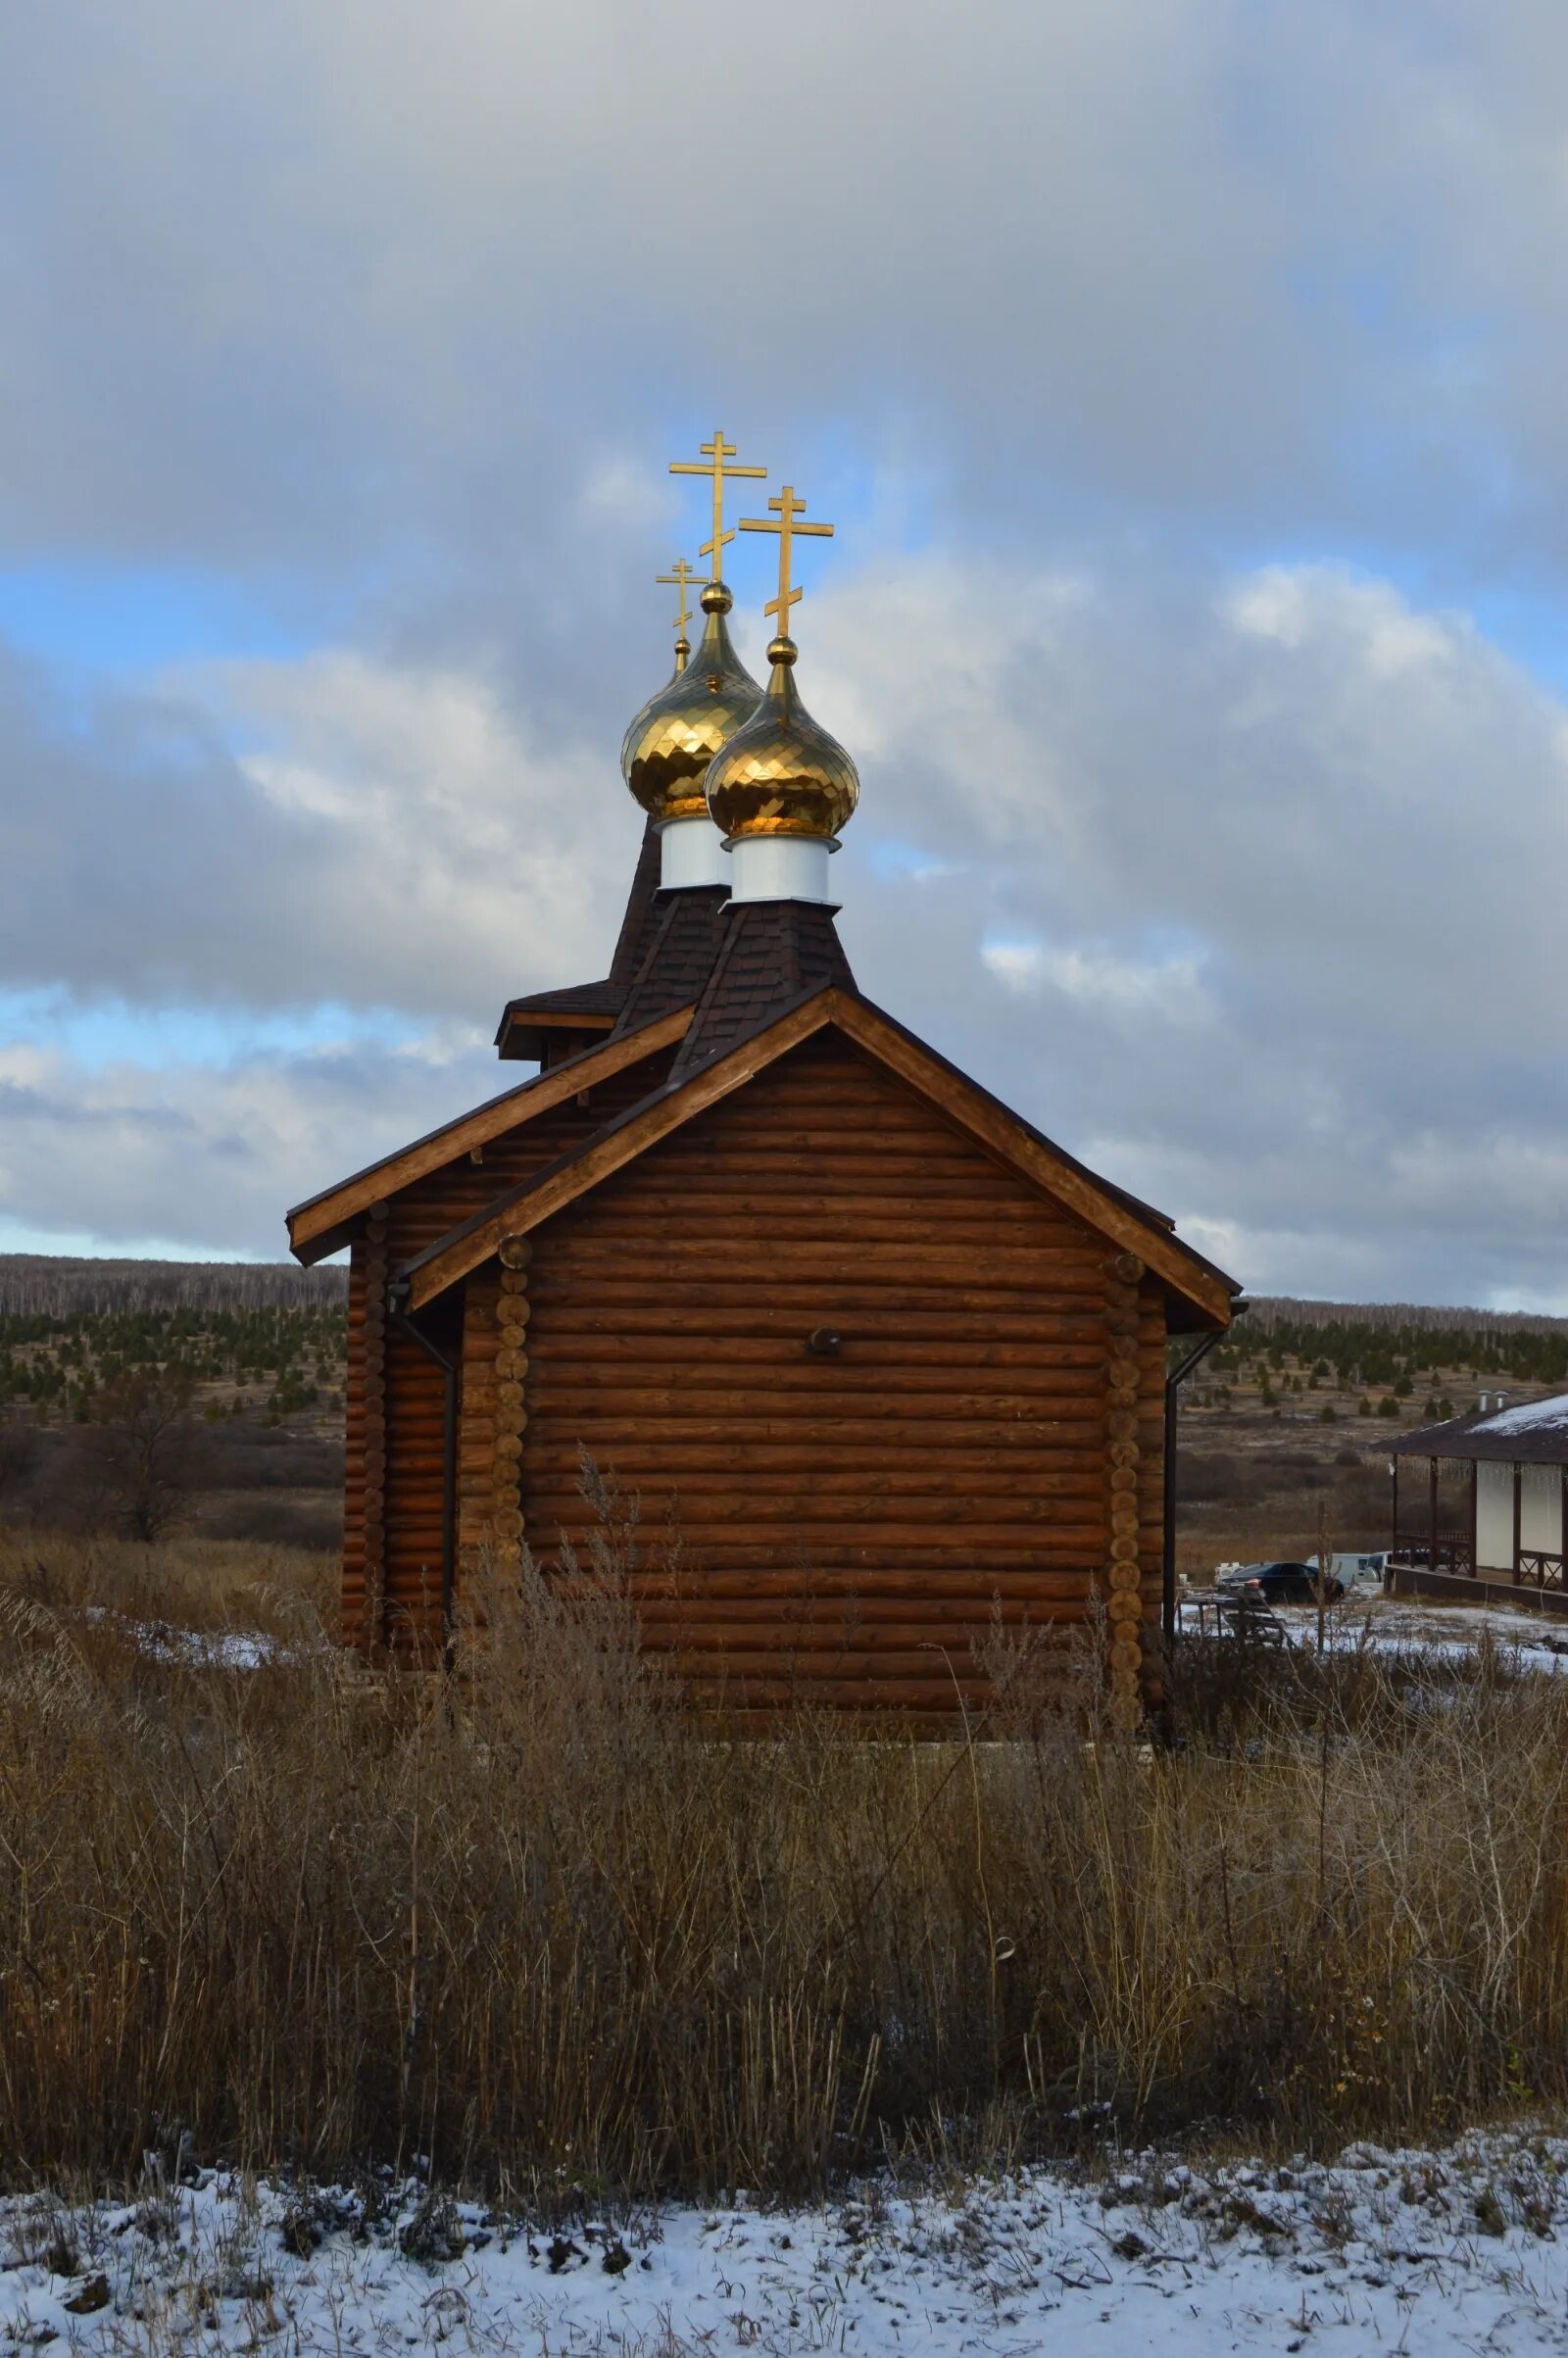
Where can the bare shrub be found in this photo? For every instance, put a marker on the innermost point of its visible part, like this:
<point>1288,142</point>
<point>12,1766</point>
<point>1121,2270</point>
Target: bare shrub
<point>134,1464</point>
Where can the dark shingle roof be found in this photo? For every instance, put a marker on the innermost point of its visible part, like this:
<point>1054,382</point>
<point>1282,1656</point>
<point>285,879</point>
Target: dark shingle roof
<point>770,955</point>
<point>604,998</point>
<point>683,934</point>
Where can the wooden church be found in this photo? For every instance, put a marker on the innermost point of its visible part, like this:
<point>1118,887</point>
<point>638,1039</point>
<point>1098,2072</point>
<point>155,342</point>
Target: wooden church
<point>882,1367</point>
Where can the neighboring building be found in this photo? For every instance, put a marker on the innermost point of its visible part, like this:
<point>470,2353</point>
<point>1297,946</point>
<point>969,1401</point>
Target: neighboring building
<point>884,1367</point>
<point>1515,1523</point>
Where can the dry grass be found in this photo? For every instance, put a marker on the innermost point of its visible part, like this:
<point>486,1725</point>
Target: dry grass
<point>531,1923</point>
<point>185,1581</point>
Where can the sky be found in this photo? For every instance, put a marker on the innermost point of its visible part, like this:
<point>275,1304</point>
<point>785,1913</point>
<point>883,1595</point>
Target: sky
<point>1184,382</point>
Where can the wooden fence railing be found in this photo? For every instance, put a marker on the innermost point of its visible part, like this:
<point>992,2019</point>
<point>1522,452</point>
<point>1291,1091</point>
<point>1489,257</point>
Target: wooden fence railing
<point>1449,1551</point>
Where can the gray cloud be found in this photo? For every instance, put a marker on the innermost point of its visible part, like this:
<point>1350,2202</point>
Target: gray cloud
<point>389,837</point>
<point>321,287</point>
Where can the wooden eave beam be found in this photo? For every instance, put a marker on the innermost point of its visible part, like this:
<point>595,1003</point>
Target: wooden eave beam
<point>521,1037</point>
<point>318,1227</point>
<point>1001,1134</point>
<point>556,1021</point>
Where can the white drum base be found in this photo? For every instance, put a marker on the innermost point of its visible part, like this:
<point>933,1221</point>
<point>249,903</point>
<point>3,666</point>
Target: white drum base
<point>779,867</point>
<point>691,851</point>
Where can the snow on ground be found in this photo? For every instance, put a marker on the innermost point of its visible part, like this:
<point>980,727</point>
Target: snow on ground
<point>1407,1627</point>
<point>1438,2254</point>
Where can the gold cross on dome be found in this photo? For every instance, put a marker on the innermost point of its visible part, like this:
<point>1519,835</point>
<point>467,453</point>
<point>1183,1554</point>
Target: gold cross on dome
<point>684,575</point>
<point>713,463</point>
<point>786,525</point>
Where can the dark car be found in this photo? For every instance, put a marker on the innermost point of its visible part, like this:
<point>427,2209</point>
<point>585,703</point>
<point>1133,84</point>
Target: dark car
<point>1282,1584</point>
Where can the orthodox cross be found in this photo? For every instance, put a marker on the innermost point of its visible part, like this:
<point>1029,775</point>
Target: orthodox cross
<point>786,525</point>
<point>685,577</point>
<point>713,462</point>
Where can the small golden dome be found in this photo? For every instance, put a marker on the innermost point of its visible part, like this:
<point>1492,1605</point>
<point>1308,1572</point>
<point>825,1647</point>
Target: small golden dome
<point>670,745</point>
<point>781,774</point>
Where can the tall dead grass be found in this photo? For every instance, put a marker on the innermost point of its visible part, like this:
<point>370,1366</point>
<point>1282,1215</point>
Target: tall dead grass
<point>532,1924</point>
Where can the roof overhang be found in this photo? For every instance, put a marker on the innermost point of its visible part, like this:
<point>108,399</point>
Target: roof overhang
<point>526,1038</point>
<point>1474,1440</point>
<point>326,1223</point>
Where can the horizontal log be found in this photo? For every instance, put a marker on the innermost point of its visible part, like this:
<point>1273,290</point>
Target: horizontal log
<point>932,1429</point>
<point>668,1357</point>
<point>846,1168</point>
<point>768,1314</point>
<point>913,1559</point>
<point>562,1384</point>
<point>828,1619</point>
<point>735,1217</point>
<point>980,1585</point>
<point>817,1390</point>
<point>839,1487</point>
<point>837,1537</point>
<point>665,1468</point>
<point>965,1514</point>
<point>807,1295</point>
<point>682,1253</point>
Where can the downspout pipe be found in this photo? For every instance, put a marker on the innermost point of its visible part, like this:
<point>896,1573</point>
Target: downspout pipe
<point>397,1303</point>
<point>1174,1381</point>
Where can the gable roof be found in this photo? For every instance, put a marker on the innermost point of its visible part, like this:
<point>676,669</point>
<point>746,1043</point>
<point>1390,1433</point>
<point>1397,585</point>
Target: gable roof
<point>1203,1293</point>
<point>321,1224</point>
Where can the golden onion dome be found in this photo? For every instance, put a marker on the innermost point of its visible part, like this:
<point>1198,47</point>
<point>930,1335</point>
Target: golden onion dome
<point>781,773</point>
<point>670,744</point>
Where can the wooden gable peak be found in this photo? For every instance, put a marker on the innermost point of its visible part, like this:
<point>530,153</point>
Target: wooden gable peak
<point>1202,1294</point>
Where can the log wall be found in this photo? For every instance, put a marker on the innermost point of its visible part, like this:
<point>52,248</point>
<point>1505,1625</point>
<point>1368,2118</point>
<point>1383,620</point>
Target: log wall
<point>395,1396</point>
<point>851,1527</point>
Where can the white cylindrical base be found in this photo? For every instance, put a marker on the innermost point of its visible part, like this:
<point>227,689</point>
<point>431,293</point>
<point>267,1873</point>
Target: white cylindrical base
<point>691,851</point>
<point>779,867</point>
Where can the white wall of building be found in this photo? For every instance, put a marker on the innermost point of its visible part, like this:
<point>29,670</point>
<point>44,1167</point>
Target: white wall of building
<point>1541,1516</point>
<point>1539,1512</point>
<point>1495,1515</point>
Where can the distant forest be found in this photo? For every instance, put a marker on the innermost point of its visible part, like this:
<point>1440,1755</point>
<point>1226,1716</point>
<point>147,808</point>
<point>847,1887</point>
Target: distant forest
<point>265,1336</point>
<point>1398,1344</point>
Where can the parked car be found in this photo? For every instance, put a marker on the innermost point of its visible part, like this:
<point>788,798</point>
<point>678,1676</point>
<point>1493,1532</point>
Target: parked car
<point>1283,1583</point>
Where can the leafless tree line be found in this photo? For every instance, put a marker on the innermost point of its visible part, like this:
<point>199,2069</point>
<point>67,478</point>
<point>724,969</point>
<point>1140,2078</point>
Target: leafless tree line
<point>37,1284</point>
<point>1268,1312</point>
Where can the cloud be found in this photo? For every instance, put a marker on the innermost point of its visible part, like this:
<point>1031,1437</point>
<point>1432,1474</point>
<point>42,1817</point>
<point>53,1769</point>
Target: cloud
<point>274,834</point>
<point>211,1158</point>
<point>299,287</point>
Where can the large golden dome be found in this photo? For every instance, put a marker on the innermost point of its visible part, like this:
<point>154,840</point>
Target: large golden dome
<point>670,745</point>
<point>781,774</point>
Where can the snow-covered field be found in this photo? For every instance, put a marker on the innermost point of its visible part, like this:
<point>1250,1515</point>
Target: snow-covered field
<point>1463,2252</point>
